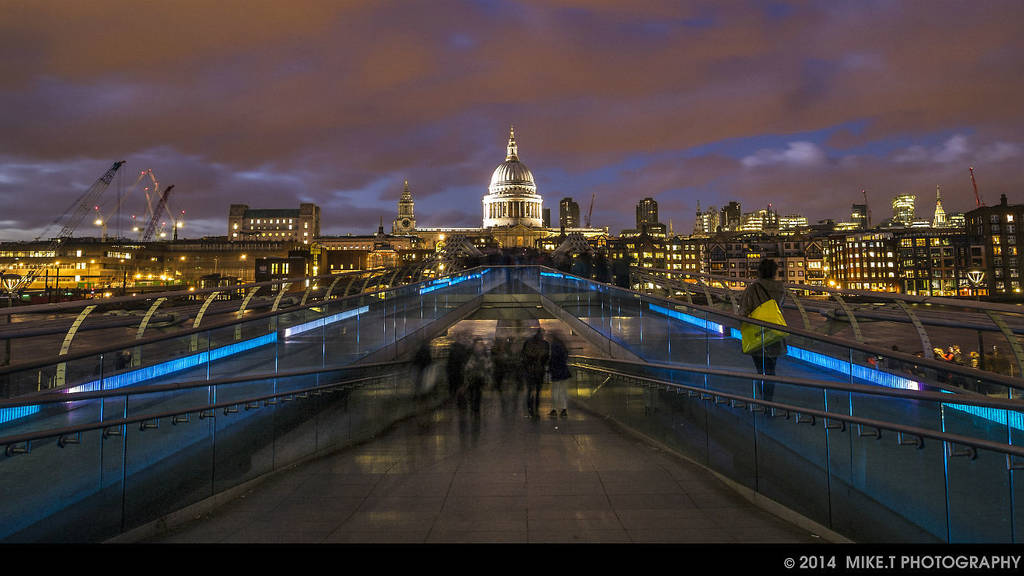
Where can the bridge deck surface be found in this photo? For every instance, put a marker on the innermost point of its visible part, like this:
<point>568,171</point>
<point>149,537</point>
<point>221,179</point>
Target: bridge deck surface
<point>497,477</point>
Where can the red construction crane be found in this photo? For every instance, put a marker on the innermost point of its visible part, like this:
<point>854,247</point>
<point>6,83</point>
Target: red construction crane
<point>867,211</point>
<point>977,197</point>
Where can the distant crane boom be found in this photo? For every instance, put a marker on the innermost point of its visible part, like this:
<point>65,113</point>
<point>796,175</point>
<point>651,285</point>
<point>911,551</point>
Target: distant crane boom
<point>590,210</point>
<point>867,210</point>
<point>88,200</point>
<point>156,214</point>
<point>977,197</point>
<point>85,204</point>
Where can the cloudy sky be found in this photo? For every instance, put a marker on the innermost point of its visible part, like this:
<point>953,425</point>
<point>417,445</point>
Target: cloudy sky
<point>272,103</point>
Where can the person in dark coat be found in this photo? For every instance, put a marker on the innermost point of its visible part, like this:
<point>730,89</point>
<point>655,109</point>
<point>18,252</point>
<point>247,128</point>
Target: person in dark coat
<point>536,354</point>
<point>477,372</point>
<point>421,361</point>
<point>756,293</point>
<point>560,375</point>
<point>458,354</point>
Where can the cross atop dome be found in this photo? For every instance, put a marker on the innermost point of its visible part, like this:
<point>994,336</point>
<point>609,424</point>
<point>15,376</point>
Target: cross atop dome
<point>513,150</point>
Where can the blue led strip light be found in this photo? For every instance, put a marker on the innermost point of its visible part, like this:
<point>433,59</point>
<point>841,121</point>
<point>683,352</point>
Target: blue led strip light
<point>444,282</point>
<point>149,372</point>
<point>320,322</point>
<point>171,366</point>
<point>8,414</point>
<point>698,322</point>
<point>1009,418</point>
<point>999,416</point>
<point>566,277</point>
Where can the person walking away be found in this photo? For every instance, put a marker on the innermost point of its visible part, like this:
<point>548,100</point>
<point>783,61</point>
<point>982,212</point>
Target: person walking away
<point>478,370</point>
<point>756,294</point>
<point>421,361</point>
<point>560,375</point>
<point>458,353</point>
<point>535,356</point>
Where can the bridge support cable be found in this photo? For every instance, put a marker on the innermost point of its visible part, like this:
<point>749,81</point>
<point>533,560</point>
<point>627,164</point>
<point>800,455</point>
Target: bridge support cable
<point>330,290</point>
<point>61,374</point>
<point>849,314</point>
<point>1018,354</point>
<point>194,340</point>
<point>800,307</point>
<point>137,351</point>
<point>241,310</point>
<point>926,343</point>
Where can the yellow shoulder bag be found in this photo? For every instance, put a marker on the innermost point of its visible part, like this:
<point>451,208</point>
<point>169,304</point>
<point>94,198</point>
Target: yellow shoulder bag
<point>755,336</point>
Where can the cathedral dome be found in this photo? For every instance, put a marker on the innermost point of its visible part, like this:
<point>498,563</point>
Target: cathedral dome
<point>512,174</point>
<point>512,198</point>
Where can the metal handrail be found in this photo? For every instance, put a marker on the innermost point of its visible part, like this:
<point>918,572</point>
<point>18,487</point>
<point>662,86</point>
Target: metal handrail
<point>60,398</point>
<point>56,306</point>
<point>951,439</point>
<point>965,397</point>
<point>965,371</point>
<point>14,440</point>
<point>935,300</point>
<point>10,368</point>
<point>890,315</point>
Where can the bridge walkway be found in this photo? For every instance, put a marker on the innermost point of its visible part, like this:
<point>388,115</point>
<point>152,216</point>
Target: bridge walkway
<point>498,476</point>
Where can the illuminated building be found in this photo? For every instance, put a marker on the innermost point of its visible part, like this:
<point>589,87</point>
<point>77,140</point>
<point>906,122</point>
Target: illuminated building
<point>568,213</point>
<point>512,198</point>
<point>862,261</point>
<point>276,224</point>
<point>994,233</point>
<point>513,213</point>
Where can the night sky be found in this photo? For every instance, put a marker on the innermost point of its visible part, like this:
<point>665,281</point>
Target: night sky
<point>273,103</point>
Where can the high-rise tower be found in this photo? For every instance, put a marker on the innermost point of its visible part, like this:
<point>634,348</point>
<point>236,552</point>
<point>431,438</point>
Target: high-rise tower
<point>568,213</point>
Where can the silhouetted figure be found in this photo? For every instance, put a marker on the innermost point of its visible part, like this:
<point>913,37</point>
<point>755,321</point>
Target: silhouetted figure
<point>458,354</point>
<point>501,360</point>
<point>124,360</point>
<point>758,292</point>
<point>560,375</point>
<point>421,361</point>
<point>535,356</point>
<point>477,372</point>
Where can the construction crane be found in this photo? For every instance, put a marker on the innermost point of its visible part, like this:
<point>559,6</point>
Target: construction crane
<point>867,211</point>
<point>977,197</point>
<point>78,211</point>
<point>86,202</point>
<point>590,210</point>
<point>148,234</point>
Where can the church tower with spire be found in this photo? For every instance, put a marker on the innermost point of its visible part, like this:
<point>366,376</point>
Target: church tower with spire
<point>939,220</point>
<point>405,223</point>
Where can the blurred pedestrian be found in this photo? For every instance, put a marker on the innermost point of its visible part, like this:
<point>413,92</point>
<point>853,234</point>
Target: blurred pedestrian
<point>535,356</point>
<point>420,362</point>
<point>560,375</point>
<point>458,354</point>
<point>757,293</point>
<point>477,372</point>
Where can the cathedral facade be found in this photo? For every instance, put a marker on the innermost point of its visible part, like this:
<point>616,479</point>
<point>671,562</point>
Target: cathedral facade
<point>512,197</point>
<point>512,209</point>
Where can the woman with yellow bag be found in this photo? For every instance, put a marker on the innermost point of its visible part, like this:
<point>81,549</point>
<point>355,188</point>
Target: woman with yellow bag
<point>763,300</point>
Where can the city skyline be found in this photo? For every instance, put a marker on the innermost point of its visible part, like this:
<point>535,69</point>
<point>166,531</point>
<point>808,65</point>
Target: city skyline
<point>801,106</point>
